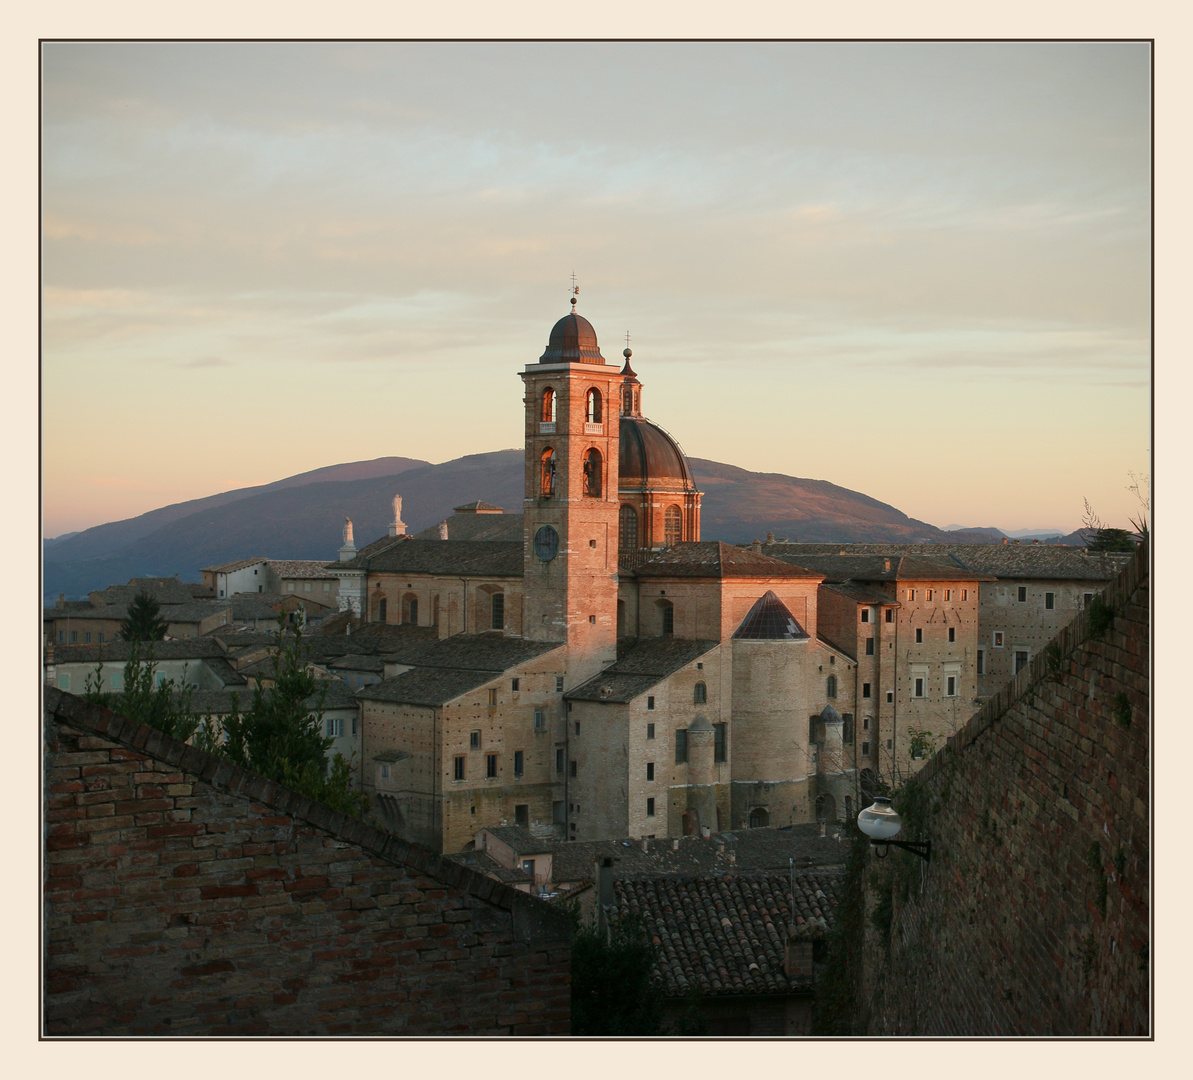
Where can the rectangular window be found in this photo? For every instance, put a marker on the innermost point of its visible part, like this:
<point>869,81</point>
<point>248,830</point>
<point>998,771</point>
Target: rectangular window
<point>458,769</point>
<point>649,771</point>
<point>572,770</point>
<point>889,744</point>
<point>981,661</point>
<point>474,740</point>
<point>931,593</point>
<point>681,746</point>
<point>865,614</point>
<point>118,680</point>
<point>87,637</point>
<point>519,762</point>
<point>964,594</point>
<point>650,703</point>
<point>865,749</point>
<point>865,689</point>
<point>948,594</point>
<point>64,681</point>
<point>919,636</point>
<point>498,622</point>
<point>1022,593</point>
<point>492,697</point>
<point>890,614</point>
<point>577,727</point>
<point>490,766</point>
<point>559,684</point>
<point>354,725</point>
<point>865,723</point>
<point>101,637</point>
<point>950,686</point>
<point>718,742</point>
<point>1088,598</point>
<point>74,637</point>
<point>919,688</point>
<point>869,646</point>
<point>514,683</point>
<point>384,772</point>
<point>306,586</point>
<point>847,728</point>
<point>1021,658</point>
<point>952,633</point>
<point>650,807</point>
<point>668,621</point>
<point>333,726</point>
<point>650,731</point>
<point>61,636</point>
<point>998,636</point>
<point>1050,600</point>
<point>559,760</point>
<point>911,594</point>
<point>540,719</point>
<point>890,697</point>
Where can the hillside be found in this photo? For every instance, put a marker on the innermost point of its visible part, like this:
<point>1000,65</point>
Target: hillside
<point>301,517</point>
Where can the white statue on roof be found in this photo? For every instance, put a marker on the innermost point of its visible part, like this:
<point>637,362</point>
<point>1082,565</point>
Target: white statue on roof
<point>348,542</point>
<point>397,526</point>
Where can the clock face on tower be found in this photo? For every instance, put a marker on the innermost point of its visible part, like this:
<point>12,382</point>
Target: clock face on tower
<point>546,543</point>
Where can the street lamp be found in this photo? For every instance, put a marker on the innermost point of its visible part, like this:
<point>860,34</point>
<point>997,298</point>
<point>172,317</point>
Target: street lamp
<point>880,822</point>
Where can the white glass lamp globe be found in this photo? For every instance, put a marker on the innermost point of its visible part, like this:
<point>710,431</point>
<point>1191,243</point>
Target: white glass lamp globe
<point>880,821</point>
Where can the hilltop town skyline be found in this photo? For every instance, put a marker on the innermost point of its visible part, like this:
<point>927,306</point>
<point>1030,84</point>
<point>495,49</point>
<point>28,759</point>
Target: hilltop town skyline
<point>915,270</point>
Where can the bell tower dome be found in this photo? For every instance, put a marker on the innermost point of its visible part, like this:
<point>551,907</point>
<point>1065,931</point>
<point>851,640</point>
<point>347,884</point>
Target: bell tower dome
<point>572,405</point>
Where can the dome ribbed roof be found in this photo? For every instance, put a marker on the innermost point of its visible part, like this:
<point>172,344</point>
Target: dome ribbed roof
<point>648,455</point>
<point>572,339</point>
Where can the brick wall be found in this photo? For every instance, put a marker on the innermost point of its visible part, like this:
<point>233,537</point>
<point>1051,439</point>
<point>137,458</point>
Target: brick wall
<point>186,896</point>
<point>1032,917</point>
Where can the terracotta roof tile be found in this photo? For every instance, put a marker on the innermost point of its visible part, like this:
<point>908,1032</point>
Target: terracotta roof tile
<point>713,559</point>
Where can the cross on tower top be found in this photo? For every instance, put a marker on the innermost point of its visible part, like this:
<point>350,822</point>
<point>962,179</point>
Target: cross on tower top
<point>575,290</point>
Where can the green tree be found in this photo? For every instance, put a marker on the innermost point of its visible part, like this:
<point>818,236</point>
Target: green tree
<point>614,988</point>
<point>147,698</point>
<point>281,737</point>
<point>1107,539</point>
<point>143,621</point>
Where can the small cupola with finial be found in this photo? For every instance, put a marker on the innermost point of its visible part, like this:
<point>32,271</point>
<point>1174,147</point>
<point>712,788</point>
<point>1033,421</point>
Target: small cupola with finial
<point>631,388</point>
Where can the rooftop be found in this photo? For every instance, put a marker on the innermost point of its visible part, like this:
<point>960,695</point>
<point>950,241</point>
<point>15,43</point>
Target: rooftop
<point>714,559</point>
<point>640,666</point>
<point>770,620</point>
<point>459,558</point>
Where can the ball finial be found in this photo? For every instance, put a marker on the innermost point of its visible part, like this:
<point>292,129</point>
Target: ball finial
<point>573,303</point>
<point>626,353</point>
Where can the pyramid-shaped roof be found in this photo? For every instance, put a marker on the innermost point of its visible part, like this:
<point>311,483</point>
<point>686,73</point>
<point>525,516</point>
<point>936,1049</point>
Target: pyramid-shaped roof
<point>770,620</point>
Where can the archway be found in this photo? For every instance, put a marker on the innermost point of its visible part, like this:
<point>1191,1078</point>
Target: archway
<point>759,817</point>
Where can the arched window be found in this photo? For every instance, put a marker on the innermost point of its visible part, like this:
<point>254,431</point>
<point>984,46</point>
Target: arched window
<point>700,695</point>
<point>548,414</point>
<point>667,611</point>
<point>759,817</point>
<point>592,472</point>
<point>498,621</point>
<point>592,409</point>
<point>410,608</point>
<point>381,610</point>
<point>830,686</point>
<point>627,401</point>
<point>627,529</point>
<point>672,526</point>
<point>547,482</point>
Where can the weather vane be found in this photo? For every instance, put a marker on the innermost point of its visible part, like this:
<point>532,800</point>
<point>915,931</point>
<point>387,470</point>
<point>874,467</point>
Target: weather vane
<point>575,290</point>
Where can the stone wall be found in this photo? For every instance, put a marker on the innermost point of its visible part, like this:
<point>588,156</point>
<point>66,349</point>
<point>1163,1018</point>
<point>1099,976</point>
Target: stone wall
<point>186,896</point>
<point>1032,917</point>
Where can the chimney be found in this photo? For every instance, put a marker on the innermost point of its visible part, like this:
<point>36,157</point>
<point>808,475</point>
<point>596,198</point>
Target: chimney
<point>756,547</point>
<point>675,845</point>
<point>705,832</point>
<point>886,566</point>
<point>770,537</point>
<point>1004,539</point>
<point>443,529</point>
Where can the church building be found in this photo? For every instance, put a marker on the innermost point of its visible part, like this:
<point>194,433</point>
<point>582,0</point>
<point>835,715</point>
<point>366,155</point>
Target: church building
<point>604,673</point>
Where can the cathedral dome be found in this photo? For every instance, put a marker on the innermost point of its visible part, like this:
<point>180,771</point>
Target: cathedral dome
<point>572,339</point>
<point>649,457</point>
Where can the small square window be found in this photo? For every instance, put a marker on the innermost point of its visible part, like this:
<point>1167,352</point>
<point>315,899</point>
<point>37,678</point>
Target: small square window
<point>865,749</point>
<point>490,766</point>
<point>650,807</point>
<point>514,683</point>
<point>919,636</point>
<point>1087,598</point>
<point>952,633</point>
<point>998,639</point>
<point>458,769</point>
<point>869,646</point>
<point>890,697</point>
<point>519,762</point>
<point>1050,600</point>
<point>559,684</point>
<point>650,703</point>
<point>865,723</point>
<point>699,666</point>
<point>474,740</point>
<point>865,689</point>
<point>572,769</point>
<point>592,620</point>
<point>1022,593</point>
<point>650,770</point>
<point>650,731</point>
<point>865,614</point>
<point>889,744</point>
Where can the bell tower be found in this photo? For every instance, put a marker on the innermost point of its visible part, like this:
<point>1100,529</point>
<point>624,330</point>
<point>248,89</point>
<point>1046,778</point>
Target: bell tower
<point>571,503</point>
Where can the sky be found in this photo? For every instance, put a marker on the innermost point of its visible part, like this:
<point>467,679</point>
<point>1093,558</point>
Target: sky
<point>917,270</point>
